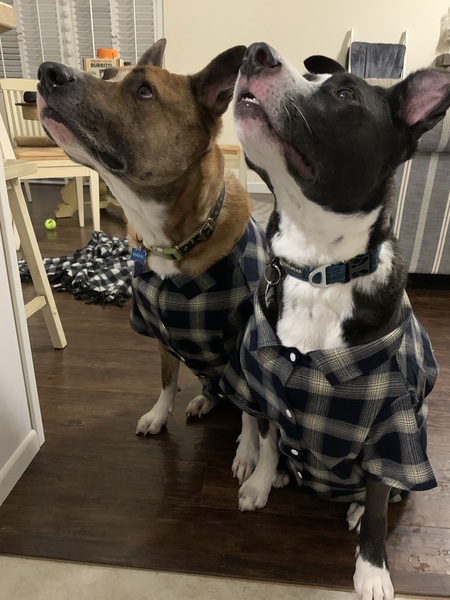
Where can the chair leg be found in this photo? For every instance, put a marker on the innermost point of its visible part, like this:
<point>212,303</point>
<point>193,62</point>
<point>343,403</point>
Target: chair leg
<point>242,169</point>
<point>80,200</point>
<point>44,300</point>
<point>16,237</point>
<point>27,190</point>
<point>94,190</point>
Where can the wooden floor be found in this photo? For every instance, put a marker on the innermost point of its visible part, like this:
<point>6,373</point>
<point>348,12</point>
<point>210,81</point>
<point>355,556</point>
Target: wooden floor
<point>96,493</point>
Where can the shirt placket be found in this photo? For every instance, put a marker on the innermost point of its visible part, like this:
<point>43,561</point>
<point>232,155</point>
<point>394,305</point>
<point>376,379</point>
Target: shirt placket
<point>290,434</point>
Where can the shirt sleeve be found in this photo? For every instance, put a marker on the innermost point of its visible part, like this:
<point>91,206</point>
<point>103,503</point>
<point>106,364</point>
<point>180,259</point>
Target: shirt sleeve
<point>395,450</point>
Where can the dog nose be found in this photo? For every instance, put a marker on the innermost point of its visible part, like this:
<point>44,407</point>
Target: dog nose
<point>259,56</point>
<point>55,75</point>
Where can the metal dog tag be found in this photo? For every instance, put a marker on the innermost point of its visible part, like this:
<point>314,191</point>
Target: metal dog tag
<point>139,256</point>
<point>272,275</point>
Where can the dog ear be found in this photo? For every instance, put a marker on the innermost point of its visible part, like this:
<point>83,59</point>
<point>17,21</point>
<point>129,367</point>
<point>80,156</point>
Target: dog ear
<point>421,100</point>
<point>213,86</point>
<point>319,64</point>
<point>154,55</point>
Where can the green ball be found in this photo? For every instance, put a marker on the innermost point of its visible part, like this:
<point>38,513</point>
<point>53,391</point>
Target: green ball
<point>50,224</point>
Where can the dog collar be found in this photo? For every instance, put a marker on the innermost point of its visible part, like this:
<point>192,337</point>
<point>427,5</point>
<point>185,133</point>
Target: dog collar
<point>201,234</point>
<point>322,276</point>
<point>342,272</point>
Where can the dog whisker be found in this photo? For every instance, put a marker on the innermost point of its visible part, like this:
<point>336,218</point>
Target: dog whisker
<point>302,116</point>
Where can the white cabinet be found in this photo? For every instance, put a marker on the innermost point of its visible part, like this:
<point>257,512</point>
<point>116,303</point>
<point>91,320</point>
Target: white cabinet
<point>21,431</point>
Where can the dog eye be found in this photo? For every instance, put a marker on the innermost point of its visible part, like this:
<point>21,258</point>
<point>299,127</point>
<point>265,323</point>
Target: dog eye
<point>346,95</point>
<point>145,91</point>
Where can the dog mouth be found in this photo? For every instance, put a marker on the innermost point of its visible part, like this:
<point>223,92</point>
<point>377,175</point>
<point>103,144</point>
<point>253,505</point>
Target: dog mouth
<point>48,115</point>
<point>248,106</point>
<point>249,98</point>
<point>110,161</point>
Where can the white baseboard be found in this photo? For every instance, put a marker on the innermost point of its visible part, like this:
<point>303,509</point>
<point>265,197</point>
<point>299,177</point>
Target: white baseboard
<point>16,465</point>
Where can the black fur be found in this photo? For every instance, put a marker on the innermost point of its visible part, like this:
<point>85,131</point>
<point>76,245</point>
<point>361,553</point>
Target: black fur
<point>342,142</point>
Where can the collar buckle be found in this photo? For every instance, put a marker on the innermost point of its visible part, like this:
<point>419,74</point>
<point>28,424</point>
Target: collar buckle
<point>322,271</point>
<point>172,253</point>
<point>208,229</point>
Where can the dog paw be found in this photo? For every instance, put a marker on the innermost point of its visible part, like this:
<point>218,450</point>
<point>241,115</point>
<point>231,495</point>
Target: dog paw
<point>372,583</point>
<point>199,406</point>
<point>251,498</point>
<point>354,516</point>
<point>152,422</point>
<point>281,479</point>
<point>247,454</point>
<point>243,467</point>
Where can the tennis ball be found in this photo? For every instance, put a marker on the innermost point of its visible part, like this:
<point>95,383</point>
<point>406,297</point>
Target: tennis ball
<point>50,224</point>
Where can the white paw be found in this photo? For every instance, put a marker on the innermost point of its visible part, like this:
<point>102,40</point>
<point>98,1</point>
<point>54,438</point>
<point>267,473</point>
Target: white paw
<point>199,406</point>
<point>372,583</point>
<point>243,467</point>
<point>281,479</point>
<point>354,516</point>
<point>251,498</point>
<point>153,421</point>
<point>247,455</point>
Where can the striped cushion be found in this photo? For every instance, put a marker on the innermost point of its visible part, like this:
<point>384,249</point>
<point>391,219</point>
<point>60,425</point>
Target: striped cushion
<point>422,211</point>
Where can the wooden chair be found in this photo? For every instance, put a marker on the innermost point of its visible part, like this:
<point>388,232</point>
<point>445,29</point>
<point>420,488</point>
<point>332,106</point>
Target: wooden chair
<point>15,170</point>
<point>234,159</point>
<point>28,142</point>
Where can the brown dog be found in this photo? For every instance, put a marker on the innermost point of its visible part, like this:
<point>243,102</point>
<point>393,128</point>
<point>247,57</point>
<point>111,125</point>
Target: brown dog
<point>151,136</point>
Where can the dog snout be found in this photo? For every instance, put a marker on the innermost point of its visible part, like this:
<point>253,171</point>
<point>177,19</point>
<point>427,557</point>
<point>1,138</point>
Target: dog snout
<point>259,56</point>
<point>53,75</point>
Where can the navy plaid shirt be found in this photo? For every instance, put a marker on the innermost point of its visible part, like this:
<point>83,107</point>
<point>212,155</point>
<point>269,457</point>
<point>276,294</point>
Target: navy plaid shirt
<point>342,412</point>
<point>199,319</point>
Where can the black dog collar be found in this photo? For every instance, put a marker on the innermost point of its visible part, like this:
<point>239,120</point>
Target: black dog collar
<point>342,272</point>
<point>201,234</point>
<point>322,276</point>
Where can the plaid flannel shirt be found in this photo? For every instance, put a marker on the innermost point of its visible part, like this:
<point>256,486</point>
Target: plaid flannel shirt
<point>199,320</point>
<point>342,412</point>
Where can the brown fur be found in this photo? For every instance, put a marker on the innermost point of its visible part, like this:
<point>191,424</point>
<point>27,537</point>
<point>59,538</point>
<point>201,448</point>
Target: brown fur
<point>230,225</point>
<point>152,134</point>
<point>167,367</point>
<point>184,171</point>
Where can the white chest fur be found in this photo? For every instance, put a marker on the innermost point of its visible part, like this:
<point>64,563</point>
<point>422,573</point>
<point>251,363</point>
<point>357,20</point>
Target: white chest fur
<point>147,218</point>
<point>312,318</point>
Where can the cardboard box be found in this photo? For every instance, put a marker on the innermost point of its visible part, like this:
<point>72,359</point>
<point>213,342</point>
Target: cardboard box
<point>7,18</point>
<point>96,66</point>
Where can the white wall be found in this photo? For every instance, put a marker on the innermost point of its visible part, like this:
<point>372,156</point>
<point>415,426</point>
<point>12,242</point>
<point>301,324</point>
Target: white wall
<point>198,30</point>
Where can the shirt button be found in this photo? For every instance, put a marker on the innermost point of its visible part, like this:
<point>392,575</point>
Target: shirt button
<point>220,395</point>
<point>182,358</point>
<point>294,452</point>
<point>299,474</point>
<point>293,356</point>
<point>289,414</point>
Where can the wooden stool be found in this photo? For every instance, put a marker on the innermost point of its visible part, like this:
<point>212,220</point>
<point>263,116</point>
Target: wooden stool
<point>14,169</point>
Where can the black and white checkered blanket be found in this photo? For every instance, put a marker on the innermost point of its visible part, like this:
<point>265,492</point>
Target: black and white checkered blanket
<point>100,273</point>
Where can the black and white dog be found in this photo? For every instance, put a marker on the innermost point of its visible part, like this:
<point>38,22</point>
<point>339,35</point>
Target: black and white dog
<point>334,362</point>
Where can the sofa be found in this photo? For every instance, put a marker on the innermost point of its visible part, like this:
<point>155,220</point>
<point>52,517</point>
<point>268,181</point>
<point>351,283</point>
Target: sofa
<point>422,208</point>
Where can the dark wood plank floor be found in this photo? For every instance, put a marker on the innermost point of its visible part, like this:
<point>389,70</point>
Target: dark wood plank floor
<point>96,493</point>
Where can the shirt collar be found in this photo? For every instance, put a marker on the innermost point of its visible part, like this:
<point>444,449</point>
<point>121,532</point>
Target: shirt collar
<point>341,364</point>
<point>193,286</point>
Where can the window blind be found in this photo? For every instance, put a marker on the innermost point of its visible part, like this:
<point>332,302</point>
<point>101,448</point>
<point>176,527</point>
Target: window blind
<point>69,30</point>
<point>10,63</point>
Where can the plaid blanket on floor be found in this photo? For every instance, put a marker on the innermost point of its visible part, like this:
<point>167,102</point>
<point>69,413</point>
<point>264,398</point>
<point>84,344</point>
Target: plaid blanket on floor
<point>100,273</point>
